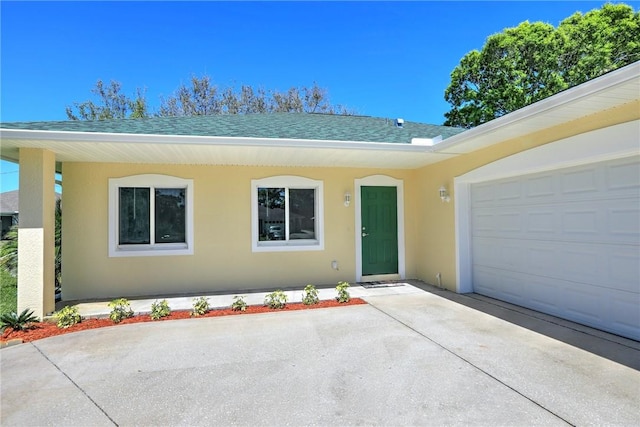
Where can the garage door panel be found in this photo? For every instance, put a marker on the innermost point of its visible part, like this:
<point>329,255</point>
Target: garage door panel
<point>541,188</point>
<point>541,222</point>
<point>542,258</point>
<point>623,177</point>
<point>584,303</point>
<point>581,263</point>
<point>505,254</point>
<point>618,178</point>
<point>625,316</point>
<point>623,269</point>
<point>509,191</point>
<point>614,267</point>
<point>616,312</point>
<point>500,284</point>
<point>595,221</point>
<point>579,182</point>
<point>580,222</point>
<point>540,288</point>
<point>622,221</point>
<point>567,245</point>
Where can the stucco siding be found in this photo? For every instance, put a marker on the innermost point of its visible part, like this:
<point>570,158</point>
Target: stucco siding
<point>223,259</point>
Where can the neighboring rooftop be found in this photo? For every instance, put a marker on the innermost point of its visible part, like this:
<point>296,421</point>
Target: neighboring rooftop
<point>274,125</point>
<point>9,202</point>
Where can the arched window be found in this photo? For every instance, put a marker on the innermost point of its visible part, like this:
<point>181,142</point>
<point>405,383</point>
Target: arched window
<point>287,214</point>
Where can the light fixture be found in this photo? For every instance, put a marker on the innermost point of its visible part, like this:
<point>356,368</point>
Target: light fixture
<point>347,199</point>
<point>444,194</point>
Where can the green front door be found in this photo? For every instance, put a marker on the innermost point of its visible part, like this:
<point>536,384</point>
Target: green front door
<point>379,230</point>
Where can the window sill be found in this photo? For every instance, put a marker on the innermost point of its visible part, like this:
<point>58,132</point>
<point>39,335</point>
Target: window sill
<point>281,246</point>
<point>146,250</point>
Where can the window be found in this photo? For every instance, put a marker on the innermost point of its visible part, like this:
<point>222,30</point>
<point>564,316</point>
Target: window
<point>150,215</point>
<point>287,214</point>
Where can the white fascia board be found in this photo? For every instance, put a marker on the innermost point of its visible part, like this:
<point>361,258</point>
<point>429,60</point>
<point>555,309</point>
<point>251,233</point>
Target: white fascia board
<point>571,95</point>
<point>99,137</point>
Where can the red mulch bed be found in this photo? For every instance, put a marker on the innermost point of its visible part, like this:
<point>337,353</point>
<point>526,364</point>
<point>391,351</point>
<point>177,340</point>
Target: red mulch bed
<point>45,329</point>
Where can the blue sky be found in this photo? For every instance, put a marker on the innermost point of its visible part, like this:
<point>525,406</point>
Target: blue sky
<point>386,59</point>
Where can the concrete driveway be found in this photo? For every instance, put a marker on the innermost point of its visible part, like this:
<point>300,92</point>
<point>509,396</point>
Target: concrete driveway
<point>407,358</point>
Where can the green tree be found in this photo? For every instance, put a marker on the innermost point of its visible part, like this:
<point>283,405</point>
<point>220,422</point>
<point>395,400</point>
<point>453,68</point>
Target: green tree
<point>201,97</point>
<point>111,104</point>
<point>58,244</point>
<point>9,252</point>
<point>532,61</point>
<point>9,249</point>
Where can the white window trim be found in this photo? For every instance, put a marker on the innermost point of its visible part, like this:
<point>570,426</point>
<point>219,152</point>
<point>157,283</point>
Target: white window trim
<point>288,181</point>
<point>159,249</point>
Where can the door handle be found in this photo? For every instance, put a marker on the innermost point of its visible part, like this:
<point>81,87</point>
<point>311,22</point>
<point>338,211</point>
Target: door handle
<point>365,234</point>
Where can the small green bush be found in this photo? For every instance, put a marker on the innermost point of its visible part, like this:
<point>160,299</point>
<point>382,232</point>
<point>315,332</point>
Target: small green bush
<point>343,293</point>
<point>238,304</point>
<point>160,309</point>
<point>276,299</point>
<point>310,295</point>
<point>68,316</point>
<point>120,310</point>
<point>200,306</point>
<point>18,322</point>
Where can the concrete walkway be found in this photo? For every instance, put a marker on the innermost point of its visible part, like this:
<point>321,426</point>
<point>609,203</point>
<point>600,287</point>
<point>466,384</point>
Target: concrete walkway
<point>101,308</point>
<point>410,357</point>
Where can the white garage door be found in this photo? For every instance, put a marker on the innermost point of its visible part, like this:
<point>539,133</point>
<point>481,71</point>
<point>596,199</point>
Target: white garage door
<point>564,242</point>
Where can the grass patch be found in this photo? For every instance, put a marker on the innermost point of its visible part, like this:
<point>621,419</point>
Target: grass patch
<point>8,293</point>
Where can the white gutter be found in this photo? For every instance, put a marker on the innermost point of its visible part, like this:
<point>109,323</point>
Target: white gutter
<point>124,138</point>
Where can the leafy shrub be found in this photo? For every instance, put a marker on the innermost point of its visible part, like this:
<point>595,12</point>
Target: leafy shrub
<point>120,310</point>
<point>276,299</point>
<point>18,322</point>
<point>200,306</point>
<point>68,316</point>
<point>310,295</point>
<point>160,309</point>
<point>238,304</point>
<point>343,293</point>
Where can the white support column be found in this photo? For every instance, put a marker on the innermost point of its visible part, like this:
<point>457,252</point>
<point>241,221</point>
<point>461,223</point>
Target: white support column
<point>36,252</point>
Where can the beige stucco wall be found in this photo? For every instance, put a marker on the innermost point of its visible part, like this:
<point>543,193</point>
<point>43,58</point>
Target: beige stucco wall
<point>436,245</point>
<point>223,259</point>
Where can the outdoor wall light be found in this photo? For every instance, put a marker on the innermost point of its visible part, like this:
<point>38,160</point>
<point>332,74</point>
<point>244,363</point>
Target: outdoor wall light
<point>347,199</point>
<point>444,194</point>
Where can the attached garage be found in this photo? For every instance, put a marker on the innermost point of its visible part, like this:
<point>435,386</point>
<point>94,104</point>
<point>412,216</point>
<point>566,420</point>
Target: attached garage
<point>564,240</point>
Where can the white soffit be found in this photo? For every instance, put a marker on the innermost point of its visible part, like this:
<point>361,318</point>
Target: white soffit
<point>117,148</point>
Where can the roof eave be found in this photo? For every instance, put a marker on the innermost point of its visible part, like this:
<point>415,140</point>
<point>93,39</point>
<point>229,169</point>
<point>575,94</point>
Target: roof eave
<point>97,137</point>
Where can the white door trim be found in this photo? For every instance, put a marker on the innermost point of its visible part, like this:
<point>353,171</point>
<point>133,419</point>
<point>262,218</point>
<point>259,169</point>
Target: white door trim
<point>379,181</point>
<point>608,143</point>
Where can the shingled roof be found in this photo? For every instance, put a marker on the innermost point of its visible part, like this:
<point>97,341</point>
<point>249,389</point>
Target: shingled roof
<point>9,202</point>
<point>275,125</point>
